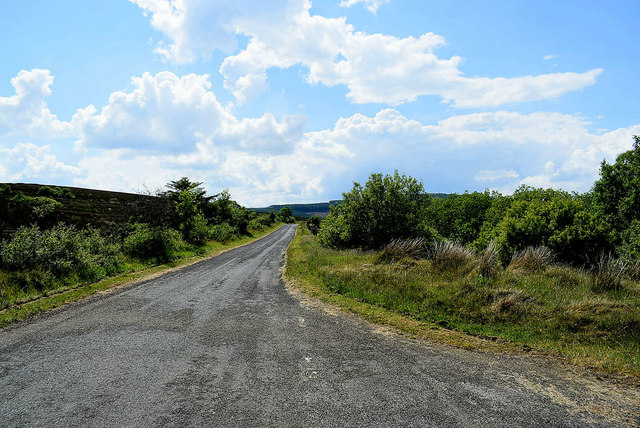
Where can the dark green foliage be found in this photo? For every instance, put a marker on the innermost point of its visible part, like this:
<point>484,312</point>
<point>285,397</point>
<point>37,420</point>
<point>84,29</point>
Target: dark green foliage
<point>56,192</point>
<point>285,215</point>
<point>370,216</point>
<point>617,192</point>
<point>313,223</point>
<point>60,251</point>
<point>147,243</point>
<point>630,247</point>
<point>223,232</point>
<point>553,219</point>
<point>460,217</point>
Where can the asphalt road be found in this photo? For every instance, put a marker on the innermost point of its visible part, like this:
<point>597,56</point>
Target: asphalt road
<point>222,343</point>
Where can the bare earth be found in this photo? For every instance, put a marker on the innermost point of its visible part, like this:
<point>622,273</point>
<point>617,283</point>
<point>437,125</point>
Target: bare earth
<point>222,343</point>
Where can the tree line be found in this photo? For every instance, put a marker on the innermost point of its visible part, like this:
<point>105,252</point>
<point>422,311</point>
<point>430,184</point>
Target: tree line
<point>577,227</point>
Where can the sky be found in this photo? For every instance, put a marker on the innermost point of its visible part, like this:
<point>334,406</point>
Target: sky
<point>293,101</point>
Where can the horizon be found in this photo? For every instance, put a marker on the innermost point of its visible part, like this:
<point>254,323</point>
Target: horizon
<point>293,103</point>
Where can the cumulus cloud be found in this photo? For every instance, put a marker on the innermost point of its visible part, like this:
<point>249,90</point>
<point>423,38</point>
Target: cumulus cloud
<point>375,68</point>
<point>26,113</point>
<point>164,112</point>
<point>27,161</point>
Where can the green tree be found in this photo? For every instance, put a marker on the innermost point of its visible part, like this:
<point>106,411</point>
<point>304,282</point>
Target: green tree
<point>285,215</point>
<point>616,194</point>
<point>386,207</point>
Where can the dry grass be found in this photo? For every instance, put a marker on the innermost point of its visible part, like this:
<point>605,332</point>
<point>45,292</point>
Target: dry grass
<point>451,257</point>
<point>608,273</point>
<point>400,249</point>
<point>531,260</point>
<point>488,263</point>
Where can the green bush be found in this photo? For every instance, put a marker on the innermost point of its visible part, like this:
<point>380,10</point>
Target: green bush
<point>146,243</point>
<point>630,248</point>
<point>370,216</point>
<point>197,230</point>
<point>60,251</point>
<point>223,232</point>
<point>56,192</point>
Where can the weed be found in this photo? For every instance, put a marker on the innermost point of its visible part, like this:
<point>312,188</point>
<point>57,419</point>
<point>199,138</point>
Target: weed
<point>450,257</point>
<point>400,249</point>
<point>488,263</point>
<point>608,273</point>
<point>531,260</point>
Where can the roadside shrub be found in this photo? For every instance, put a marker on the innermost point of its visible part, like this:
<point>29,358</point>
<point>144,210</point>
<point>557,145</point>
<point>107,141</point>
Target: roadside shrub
<point>60,251</point>
<point>223,232</point>
<point>335,230</point>
<point>608,273</point>
<point>630,248</point>
<point>531,260</point>
<point>399,249</point>
<point>147,243</point>
<point>450,256</point>
<point>196,231</point>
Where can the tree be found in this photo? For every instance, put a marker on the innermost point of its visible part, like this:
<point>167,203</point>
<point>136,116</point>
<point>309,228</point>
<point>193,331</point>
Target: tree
<point>285,215</point>
<point>386,207</point>
<point>617,192</point>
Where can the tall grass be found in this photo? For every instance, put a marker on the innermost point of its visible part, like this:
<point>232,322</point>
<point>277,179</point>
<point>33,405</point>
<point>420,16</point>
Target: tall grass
<point>608,273</point>
<point>533,303</point>
<point>531,260</point>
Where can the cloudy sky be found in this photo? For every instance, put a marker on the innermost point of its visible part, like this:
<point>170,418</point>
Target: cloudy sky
<point>292,101</point>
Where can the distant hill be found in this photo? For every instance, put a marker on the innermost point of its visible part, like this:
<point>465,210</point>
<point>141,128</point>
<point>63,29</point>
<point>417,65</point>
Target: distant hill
<point>302,210</point>
<point>318,208</point>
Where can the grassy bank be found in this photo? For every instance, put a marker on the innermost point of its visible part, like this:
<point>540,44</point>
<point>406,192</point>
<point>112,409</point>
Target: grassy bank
<point>21,304</point>
<point>555,311</point>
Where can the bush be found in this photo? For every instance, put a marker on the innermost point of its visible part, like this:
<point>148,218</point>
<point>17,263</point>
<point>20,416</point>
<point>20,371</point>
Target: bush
<point>223,232</point>
<point>196,231</point>
<point>56,192</point>
<point>162,244</point>
<point>450,256</point>
<point>630,248</point>
<point>370,216</point>
<point>531,260</point>
<point>60,251</point>
<point>335,230</point>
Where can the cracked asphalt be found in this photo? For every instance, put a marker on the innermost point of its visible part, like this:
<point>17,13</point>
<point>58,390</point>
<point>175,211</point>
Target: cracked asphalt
<point>222,343</point>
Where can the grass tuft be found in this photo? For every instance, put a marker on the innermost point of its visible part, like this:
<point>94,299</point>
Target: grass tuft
<point>451,257</point>
<point>402,249</point>
<point>531,260</point>
<point>608,273</point>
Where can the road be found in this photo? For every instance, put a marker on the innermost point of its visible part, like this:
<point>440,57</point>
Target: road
<point>222,343</point>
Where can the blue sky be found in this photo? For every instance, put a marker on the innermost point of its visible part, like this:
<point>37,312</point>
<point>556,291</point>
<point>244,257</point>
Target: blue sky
<point>293,102</point>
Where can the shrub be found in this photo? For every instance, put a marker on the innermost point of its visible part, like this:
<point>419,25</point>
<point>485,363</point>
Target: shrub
<point>450,256</point>
<point>196,231</point>
<point>399,249</point>
<point>335,230</point>
<point>223,232</point>
<point>630,248</point>
<point>531,260</point>
<point>56,192</point>
<point>146,243</point>
<point>608,273</point>
<point>60,251</point>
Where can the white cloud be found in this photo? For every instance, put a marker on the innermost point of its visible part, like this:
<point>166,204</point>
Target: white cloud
<point>167,126</point>
<point>26,113</point>
<point>376,68</point>
<point>500,174</point>
<point>549,57</point>
<point>173,114</point>
<point>371,5</point>
<point>27,161</point>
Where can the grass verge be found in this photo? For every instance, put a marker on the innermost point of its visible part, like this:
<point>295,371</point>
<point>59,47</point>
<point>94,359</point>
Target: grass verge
<point>33,304</point>
<point>556,312</point>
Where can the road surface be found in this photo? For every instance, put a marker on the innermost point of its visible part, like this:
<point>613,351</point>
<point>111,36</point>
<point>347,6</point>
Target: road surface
<point>222,343</point>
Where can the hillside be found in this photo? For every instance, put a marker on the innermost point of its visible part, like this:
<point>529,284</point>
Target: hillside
<point>98,208</point>
<point>302,210</point>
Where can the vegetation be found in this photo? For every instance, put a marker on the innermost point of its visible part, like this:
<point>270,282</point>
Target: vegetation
<point>43,256</point>
<point>541,268</point>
